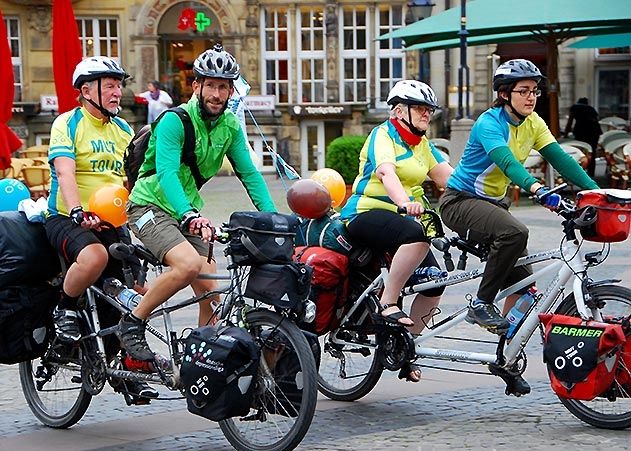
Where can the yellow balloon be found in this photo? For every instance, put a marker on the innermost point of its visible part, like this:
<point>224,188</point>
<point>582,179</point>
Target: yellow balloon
<point>333,182</point>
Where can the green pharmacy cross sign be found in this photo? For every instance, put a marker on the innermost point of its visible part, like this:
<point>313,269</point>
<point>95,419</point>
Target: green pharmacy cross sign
<point>202,21</point>
<point>195,20</point>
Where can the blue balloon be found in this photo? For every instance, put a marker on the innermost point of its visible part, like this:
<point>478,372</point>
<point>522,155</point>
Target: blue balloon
<point>11,193</point>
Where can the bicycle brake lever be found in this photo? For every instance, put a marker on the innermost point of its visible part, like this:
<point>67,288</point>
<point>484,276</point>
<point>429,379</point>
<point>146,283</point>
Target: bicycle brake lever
<point>462,261</point>
<point>449,263</point>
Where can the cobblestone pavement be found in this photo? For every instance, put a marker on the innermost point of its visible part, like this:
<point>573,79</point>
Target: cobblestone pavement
<point>445,411</point>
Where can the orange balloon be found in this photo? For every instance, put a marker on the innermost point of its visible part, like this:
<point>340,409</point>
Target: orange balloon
<point>308,199</point>
<point>108,203</point>
<point>333,182</point>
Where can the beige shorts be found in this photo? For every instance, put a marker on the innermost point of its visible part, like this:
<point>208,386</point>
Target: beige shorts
<point>159,231</point>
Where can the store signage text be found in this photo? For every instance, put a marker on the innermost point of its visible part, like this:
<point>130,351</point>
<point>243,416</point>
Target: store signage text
<point>260,103</point>
<point>324,110</point>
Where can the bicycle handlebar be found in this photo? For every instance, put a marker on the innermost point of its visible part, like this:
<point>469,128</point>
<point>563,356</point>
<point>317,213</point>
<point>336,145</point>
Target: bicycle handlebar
<point>434,217</point>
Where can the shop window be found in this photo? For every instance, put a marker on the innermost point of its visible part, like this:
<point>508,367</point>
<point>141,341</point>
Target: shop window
<point>389,61</point>
<point>614,53</point>
<point>99,36</point>
<point>13,33</point>
<point>613,92</point>
<point>275,50</point>
<point>354,53</point>
<point>311,55</point>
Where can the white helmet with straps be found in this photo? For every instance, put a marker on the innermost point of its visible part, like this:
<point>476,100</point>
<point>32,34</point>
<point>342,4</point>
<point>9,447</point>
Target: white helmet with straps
<point>412,92</point>
<point>216,63</point>
<point>96,67</point>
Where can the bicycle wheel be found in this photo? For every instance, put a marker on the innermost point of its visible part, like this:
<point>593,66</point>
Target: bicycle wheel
<point>600,412</point>
<point>350,371</point>
<point>347,372</point>
<point>52,387</point>
<point>286,391</point>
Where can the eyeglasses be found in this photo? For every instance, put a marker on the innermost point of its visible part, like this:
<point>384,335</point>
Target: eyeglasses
<point>422,109</point>
<point>526,92</point>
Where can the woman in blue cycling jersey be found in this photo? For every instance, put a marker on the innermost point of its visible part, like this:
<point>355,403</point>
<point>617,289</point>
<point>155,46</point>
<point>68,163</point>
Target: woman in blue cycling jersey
<point>475,204</point>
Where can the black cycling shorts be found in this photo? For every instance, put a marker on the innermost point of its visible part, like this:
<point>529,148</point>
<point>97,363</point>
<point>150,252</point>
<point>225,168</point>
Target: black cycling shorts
<point>69,239</point>
<point>386,231</point>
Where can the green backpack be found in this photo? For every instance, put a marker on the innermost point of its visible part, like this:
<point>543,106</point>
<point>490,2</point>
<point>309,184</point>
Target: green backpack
<point>328,232</point>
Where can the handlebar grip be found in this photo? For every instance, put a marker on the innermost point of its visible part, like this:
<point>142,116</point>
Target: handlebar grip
<point>121,251</point>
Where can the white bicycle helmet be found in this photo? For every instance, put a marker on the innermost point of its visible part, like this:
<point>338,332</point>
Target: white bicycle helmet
<point>216,63</point>
<point>412,92</point>
<point>97,67</point>
<point>515,70</point>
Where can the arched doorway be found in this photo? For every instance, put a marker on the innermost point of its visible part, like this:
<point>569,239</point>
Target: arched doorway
<point>185,30</point>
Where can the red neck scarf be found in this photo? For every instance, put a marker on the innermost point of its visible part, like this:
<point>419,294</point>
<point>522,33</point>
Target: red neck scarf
<point>408,137</point>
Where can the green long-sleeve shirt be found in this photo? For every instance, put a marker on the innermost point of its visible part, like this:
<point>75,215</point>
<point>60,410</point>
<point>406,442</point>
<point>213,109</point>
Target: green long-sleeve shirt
<point>172,187</point>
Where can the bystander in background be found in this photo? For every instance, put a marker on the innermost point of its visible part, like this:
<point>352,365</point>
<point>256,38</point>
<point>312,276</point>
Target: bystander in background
<point>586,128</point>
<point>159,100</point>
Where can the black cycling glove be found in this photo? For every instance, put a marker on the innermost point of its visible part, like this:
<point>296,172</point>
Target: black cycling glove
<point>187,217</point>
<point>77,215</point>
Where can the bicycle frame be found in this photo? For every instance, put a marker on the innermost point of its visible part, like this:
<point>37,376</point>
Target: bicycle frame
<point>93,293</point>
<point>575,268</point>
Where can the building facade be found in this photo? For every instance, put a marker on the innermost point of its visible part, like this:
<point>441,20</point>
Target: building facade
<point>316,68</point>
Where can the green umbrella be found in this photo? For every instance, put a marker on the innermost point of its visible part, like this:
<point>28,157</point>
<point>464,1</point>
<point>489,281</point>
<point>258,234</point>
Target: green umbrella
<point>606,41</point>
<point>549,21</point>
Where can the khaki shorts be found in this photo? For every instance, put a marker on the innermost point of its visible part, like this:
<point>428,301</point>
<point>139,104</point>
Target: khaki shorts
<point>159,231</point>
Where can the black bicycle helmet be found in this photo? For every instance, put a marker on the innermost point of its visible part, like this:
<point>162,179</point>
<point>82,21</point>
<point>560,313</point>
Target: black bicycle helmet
<point>514,70</point>
<point>216,63</point>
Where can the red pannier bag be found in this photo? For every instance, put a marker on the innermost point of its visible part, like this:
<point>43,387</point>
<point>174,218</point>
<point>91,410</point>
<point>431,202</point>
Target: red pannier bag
<point>329,285</point>
<point>582,356</point>
<point>613,214</point>
<point>623,376</point>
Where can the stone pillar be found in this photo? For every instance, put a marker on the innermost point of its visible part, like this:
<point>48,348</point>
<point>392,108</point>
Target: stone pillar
<point>460,129</point>
<point>332,44</point>
<point>250,59</point>
<point>145,63</point>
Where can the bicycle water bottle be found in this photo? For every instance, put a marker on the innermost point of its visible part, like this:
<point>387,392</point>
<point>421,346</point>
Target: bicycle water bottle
<point>520,308</point>
<point>424,274</point>
<point>128,297</point>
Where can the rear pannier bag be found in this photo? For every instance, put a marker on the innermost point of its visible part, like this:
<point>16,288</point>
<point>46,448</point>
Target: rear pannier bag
<point>26,255</point>
<point>582,357</point>
<point>284,286</point>
<point>258,237</point>
<point>219,371</point>
<point>613,214</point>
<point>623,377</point>
<point>26,321</point>
<point>329,286</point>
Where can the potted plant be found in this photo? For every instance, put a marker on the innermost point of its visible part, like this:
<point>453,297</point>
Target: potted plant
<point>343,156</point>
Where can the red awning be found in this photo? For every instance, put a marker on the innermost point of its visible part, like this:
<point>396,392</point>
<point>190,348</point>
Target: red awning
<point>9,142</point>
<point>66,53</point>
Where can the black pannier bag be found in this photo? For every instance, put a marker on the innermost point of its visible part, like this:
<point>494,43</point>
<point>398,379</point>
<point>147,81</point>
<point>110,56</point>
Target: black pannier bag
<point>26,321</point>
<point>284,286</point>
<point>219,372</point>
<point>26,255</point>
<point>258,237</point>
<point>283,363</point>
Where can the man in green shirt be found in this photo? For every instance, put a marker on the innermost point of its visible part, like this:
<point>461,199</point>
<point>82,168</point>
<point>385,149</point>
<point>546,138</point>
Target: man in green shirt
<point>164,208</point>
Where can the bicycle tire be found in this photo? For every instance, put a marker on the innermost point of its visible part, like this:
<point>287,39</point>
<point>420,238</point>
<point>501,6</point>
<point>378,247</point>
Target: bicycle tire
<point>587,411</point>
<point>349,372</point>
<point>60,402</point>
<point>337,383</point>
<point>286,418</point>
